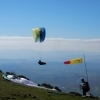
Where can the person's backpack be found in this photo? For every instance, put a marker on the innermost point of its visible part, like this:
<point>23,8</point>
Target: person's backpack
<point>87,86</point>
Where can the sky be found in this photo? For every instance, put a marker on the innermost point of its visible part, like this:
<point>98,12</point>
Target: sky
<point>70,24</point>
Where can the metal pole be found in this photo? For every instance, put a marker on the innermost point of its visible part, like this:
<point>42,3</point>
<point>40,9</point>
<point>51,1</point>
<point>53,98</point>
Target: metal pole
<point>85,67</point>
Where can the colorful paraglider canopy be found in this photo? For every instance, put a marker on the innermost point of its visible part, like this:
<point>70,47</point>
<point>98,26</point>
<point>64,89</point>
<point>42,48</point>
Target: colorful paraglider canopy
<point>74,61</point>
<point>41,63</point>
<point>39,34</point>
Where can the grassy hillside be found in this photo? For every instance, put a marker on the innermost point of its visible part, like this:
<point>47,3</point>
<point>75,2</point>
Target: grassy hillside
<point>13,91</point>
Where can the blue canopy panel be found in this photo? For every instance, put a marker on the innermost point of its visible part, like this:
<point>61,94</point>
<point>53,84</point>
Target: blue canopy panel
<point>42,34</point>
<point>36,40</point>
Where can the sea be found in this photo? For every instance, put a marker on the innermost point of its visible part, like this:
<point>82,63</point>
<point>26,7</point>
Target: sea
<point>66,77</point>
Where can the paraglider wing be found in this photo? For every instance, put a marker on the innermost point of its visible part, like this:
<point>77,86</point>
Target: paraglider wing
<point>74,61</point>
<point>39,34</point>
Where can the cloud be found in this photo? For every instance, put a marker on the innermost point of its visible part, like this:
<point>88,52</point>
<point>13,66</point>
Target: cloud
<point>16,42</point>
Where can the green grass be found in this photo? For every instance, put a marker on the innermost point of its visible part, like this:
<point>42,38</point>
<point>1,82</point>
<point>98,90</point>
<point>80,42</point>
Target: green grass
<point>14,91</point>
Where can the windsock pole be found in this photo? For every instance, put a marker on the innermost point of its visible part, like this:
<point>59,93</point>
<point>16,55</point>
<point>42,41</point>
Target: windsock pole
<point>85,67</point>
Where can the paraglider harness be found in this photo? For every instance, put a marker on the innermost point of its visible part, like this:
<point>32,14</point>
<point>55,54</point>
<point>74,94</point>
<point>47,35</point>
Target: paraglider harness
<point>87,87</point>
<point>41,63</point>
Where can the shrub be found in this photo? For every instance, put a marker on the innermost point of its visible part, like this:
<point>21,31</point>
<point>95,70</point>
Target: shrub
<point>57,88</point>
<point>0,71</point>
<point>47,85</point>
